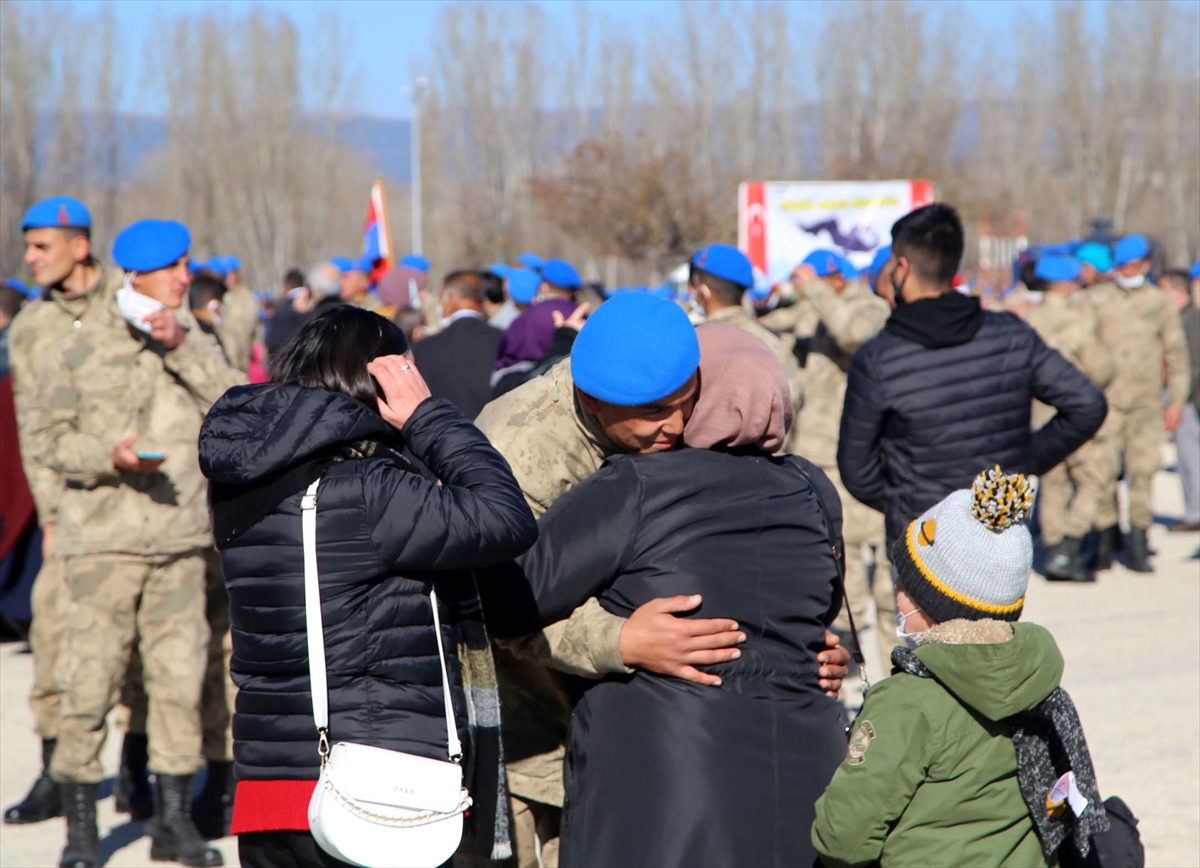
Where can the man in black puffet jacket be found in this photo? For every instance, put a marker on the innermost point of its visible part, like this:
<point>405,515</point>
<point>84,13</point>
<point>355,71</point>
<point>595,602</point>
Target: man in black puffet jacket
<point>946,389</point>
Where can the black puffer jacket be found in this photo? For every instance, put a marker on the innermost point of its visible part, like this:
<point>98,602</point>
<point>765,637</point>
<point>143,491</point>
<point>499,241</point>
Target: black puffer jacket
<point>944,392</point>
<point>383,534</point>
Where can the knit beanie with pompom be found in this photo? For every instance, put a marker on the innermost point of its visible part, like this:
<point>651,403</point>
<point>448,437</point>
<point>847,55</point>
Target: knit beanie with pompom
<point>970,555</point>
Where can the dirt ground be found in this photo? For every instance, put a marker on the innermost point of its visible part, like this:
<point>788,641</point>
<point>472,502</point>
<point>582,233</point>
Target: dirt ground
<point>1132,648</point>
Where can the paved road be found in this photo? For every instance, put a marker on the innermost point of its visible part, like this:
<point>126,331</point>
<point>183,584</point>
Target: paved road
<point>1132,646</point>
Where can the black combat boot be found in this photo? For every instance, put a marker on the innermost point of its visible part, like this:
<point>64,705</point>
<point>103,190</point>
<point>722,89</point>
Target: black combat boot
<point>174,837</point>
<point>212,810</point>
<point>45,798</point>
<point>132,794</point>
<point>1065,565</point>
<point>83,840</point>
<point>1106,547</point>
<point>1137,558</point>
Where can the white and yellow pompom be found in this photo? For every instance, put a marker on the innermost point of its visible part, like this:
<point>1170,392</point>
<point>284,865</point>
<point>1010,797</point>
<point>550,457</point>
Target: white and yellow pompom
<point>999,500</point>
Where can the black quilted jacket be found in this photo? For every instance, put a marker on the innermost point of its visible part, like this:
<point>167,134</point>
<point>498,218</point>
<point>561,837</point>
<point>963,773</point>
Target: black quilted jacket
<point>944,392</point>
<point>384,534</point>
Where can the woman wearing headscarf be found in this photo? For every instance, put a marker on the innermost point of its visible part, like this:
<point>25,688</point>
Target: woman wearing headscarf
<point>664,772</point>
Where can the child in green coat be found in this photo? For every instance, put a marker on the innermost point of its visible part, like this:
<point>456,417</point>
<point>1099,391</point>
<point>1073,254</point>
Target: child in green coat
<point>953,759</point>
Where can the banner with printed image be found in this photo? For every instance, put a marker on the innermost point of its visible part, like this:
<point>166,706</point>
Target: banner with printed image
<point>781,222</point>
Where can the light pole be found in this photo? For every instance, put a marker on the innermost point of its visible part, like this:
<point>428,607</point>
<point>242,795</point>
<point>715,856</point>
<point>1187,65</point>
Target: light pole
<point>417,92</point>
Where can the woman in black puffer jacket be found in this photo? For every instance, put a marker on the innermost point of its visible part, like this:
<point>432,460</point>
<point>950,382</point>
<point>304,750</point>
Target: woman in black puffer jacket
<point>344,390</point>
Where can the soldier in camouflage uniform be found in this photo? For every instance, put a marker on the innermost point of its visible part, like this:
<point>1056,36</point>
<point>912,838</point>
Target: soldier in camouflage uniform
<point>117,411</point>
<point>240,327</point>
<point>845,315</point>
<point>723,300</point>
<point>1069,495</point>
<point>552,441</point>
<point>1138,322</point>
<point>76,288</point>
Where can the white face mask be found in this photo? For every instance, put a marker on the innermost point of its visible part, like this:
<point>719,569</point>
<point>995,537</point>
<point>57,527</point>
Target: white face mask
<point>901,632</point>
<point>216,310</point>
<point>1134,282</point>
<point>134,306</point>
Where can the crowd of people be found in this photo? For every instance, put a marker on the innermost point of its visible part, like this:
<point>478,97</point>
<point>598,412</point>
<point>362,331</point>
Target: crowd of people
<point>639,529</point>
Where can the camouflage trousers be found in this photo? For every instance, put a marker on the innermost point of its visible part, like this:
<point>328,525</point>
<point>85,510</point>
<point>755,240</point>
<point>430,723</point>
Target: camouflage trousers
<point>115,601</point>
<point>1136,434</point>
<point>863,530</point>
<point>1069,496</point>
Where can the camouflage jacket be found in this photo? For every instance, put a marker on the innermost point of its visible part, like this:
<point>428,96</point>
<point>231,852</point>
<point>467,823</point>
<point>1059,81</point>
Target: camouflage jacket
<point>239,327</point>
<point>1142,329</point>
<point>843,324</point>
<point>551,443</point>
<point>1069,326</point>
<point>37,329</point>
<point>106,382</point>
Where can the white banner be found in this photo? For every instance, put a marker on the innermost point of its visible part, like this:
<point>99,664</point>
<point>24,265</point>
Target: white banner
<point>781,222</point>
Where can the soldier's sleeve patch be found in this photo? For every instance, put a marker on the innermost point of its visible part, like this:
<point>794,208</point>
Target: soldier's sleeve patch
<point>859,742</point>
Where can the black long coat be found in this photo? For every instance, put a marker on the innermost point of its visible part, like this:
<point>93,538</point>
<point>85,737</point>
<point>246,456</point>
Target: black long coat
<point>664,772</point>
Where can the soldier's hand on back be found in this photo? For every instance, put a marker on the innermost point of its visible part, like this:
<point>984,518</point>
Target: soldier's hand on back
<point>575,321</point>
<point>656,640</point>
<point>125,457</point>
<point>1172,418</point>
<point>165,329</point>
<point>402,385</point>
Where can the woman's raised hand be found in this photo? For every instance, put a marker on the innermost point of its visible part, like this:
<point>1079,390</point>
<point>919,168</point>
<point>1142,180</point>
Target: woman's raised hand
<point>402,385</point>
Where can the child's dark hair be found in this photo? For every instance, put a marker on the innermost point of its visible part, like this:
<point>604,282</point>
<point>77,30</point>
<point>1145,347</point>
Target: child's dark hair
<point>331,352</point>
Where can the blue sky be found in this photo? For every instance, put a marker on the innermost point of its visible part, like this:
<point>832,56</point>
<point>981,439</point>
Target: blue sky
<point>385,36</point>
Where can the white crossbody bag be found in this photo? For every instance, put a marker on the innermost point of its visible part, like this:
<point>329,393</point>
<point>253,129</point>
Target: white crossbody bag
<point>373,807</point>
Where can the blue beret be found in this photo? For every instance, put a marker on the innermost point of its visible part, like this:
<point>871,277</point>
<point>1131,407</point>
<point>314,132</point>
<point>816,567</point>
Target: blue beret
<point>726,262</point>
<point>149,245</point>
<point>500,268</point>
<point>232,263</point>
<point>195,266</point>
<point>1096,255</point>
<point>1194,271</point>
<point>416,261</point>
<point>1130,248</point>
<point>530,260</point>
<point>217,265</point>
<point>365,264</point>
<point>823,262</point>
<point>561,273</point>
<point>523,285</point>
<point>343,263</point>
<point>846,267</point>
<point>1056,268</point>
<point>635,349</point>
<point>57,212</point>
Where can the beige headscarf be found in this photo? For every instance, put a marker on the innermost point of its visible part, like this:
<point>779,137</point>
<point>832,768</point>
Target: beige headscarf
<point>744,396</point>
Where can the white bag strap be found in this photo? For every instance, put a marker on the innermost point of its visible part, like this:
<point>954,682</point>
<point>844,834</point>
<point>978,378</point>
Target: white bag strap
<point>315,629</point>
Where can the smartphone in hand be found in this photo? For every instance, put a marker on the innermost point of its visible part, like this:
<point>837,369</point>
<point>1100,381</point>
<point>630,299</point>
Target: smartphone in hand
<point>151,456</point>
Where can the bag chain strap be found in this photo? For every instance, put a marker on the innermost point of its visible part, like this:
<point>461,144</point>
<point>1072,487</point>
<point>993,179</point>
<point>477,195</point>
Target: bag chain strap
<point>421,819</point>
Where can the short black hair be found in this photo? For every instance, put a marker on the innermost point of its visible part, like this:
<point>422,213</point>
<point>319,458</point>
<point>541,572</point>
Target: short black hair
<point>331,352</point>
<point>726,291</point>
<point>931,239</point>
<point>204,288</point>
<point>466,284</point>
<point>493,286</point>
<point>293,278</point>
<point>1177,277</point>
